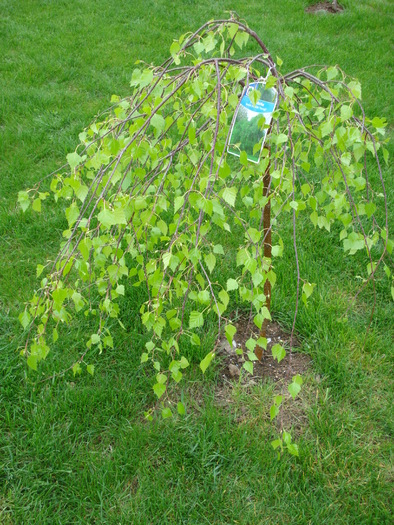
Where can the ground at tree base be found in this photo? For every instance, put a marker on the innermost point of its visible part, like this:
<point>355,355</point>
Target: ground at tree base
<point>324,7</point>
<point>294,362</point>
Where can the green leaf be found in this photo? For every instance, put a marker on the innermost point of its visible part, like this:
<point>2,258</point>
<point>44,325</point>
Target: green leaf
<point>149,346</point>
<point>355,88</point>
<point>140,203</point>
<point>76,369</point>
<point>230,331</point>
<point>232,29</point>
<point>120,289</point>
<point>243,158</point>
<point>266,313</point>
<point>229,195</point>
<point>278,400</point>
<point>166,259</point>
<point>161,378</point>
<point>370,209</point>
<point>248,365</point>
<point>32,362</point>
<point>36,205</point>
<point>196,319</point>
<point>262,342</point>
<point>232,284</point>
<point>233,100</point>
<point>174,49</point>
<point>277,251</point>
<point>176,375</point>
<point>206,361</point>
<point>353,243</point>
<point>195,340</point>
<point>224,297</point>
<point>74,160</point>
<point>209,42</point>
<point>271,80</point>
<point>23,200</point>
<point>277,443</point>
<point>72,214</point>
<point>159,389</point>
<point>278,352</point>
<point>253,234</point>
<point>274,411</point>
<point>251,344</point>
<point>144,357</point>
<point>158,122</point>
<point>346,113</point>
<point>181,408</point>
<point>308,289</point>
<point>294,389</point>
<point>210,261</point>
<point>119,216</point>
<point>178,202</point>
<point>298,379</point>
<point>81,192</point>
<point>146,77</point>
<point>95,339</point>
<point>199,47</point>
<point>293,449</point>
<point>326,128</point>
<point>78,301</point>
<point>281,138</point>
<point>241,38</point>
<point>184,363</point>
<point>242,256</point>
<point>107,218</point>
<point>218,248</point>
<point>90,369</point>
<point>258,320</point>
<point>24,319</point>
<point>332,72</point>
<point>166,413</point>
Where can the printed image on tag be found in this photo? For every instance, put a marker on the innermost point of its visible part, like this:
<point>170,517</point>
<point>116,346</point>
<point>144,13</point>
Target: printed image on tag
<point>252,121</point>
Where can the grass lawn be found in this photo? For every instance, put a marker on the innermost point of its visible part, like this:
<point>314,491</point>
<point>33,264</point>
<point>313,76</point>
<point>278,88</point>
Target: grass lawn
<point>78,450</point>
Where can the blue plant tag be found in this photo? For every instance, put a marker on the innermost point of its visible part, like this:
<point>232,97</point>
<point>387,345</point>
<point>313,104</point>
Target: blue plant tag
<point>252,121</point>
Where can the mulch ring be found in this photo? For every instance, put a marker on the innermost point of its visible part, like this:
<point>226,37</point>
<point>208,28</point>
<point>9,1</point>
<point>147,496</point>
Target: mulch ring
<point>294,362</point>
<point>324,7</point>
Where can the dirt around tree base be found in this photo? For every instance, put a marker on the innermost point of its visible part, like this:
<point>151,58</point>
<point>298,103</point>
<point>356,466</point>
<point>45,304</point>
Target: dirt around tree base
<point>232,363</point>
<point>324,7</point>
<point>234,378</point>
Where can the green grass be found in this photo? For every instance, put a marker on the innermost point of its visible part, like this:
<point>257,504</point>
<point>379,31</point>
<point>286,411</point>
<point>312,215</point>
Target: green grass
<point>78,450</point>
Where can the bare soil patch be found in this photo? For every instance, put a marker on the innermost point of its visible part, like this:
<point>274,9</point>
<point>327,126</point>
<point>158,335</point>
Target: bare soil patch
<point>324,7</point>
<point>293,412</point>
<point>294,362</point>
<point>237,390</point>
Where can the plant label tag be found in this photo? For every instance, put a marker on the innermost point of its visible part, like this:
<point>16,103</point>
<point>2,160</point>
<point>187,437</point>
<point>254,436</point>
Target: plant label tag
<point>252,121</point>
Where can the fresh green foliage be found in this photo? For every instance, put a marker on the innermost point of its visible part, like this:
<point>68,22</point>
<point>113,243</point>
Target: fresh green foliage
<point>151,188</point>
<point>76,450</point>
